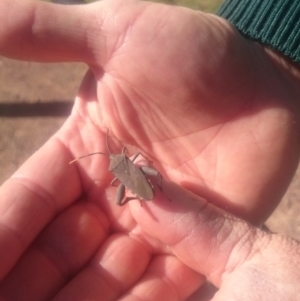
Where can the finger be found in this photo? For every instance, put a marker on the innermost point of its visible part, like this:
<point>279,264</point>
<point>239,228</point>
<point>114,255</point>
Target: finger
<point>42,187</point>
<point>116,267</point>
<point>207,239</point>
<point>35,30</point>
<point>166,278</point>
<point>62,249</point>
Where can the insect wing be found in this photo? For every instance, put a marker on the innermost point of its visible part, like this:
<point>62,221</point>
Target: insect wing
<point>132,177</point>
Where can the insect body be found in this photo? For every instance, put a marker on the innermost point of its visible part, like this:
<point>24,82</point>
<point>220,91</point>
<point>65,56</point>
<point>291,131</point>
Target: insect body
<point>130,176</point>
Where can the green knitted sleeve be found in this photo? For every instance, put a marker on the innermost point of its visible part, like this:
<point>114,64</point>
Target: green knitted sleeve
<point>275,23</point>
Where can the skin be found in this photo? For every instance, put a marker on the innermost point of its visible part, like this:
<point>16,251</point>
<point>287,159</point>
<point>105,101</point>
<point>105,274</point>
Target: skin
<point>217,114</point>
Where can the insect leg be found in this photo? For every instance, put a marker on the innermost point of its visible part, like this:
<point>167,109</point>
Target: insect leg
<point>152,172</point>
<point>139,153</point>
<point>113,181</point>
<point>120,195</point>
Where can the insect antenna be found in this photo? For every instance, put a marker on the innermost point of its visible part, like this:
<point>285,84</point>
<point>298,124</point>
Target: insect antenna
<point>97,153</point>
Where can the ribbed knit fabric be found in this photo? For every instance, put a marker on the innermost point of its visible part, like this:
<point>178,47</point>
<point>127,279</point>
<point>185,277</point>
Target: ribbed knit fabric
<point>275,23</point>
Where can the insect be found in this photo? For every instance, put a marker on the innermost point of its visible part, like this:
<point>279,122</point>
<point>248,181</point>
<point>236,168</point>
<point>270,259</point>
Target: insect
<point>131,176</point>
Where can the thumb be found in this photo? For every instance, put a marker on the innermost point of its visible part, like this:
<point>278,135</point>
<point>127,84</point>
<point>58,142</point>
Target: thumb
<point>207,239</point>
<point>41,31</point>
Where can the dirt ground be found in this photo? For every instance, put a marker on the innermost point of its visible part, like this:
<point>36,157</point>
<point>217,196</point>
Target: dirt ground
<point>35,100</point>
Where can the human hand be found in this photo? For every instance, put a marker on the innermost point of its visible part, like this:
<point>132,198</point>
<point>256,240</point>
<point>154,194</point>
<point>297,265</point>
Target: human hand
<point>214,111</point>
<point>242,261</point>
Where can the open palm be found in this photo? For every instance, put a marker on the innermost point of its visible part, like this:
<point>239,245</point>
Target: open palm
<point>179,86</point>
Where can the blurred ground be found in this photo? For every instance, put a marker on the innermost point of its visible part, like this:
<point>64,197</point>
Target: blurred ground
<point>35,100</point>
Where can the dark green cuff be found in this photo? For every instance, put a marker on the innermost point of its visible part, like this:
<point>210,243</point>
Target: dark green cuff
<point>275,23</point>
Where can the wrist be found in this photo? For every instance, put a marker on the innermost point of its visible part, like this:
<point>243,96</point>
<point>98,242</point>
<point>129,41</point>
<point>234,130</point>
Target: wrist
<point>286,64</point>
